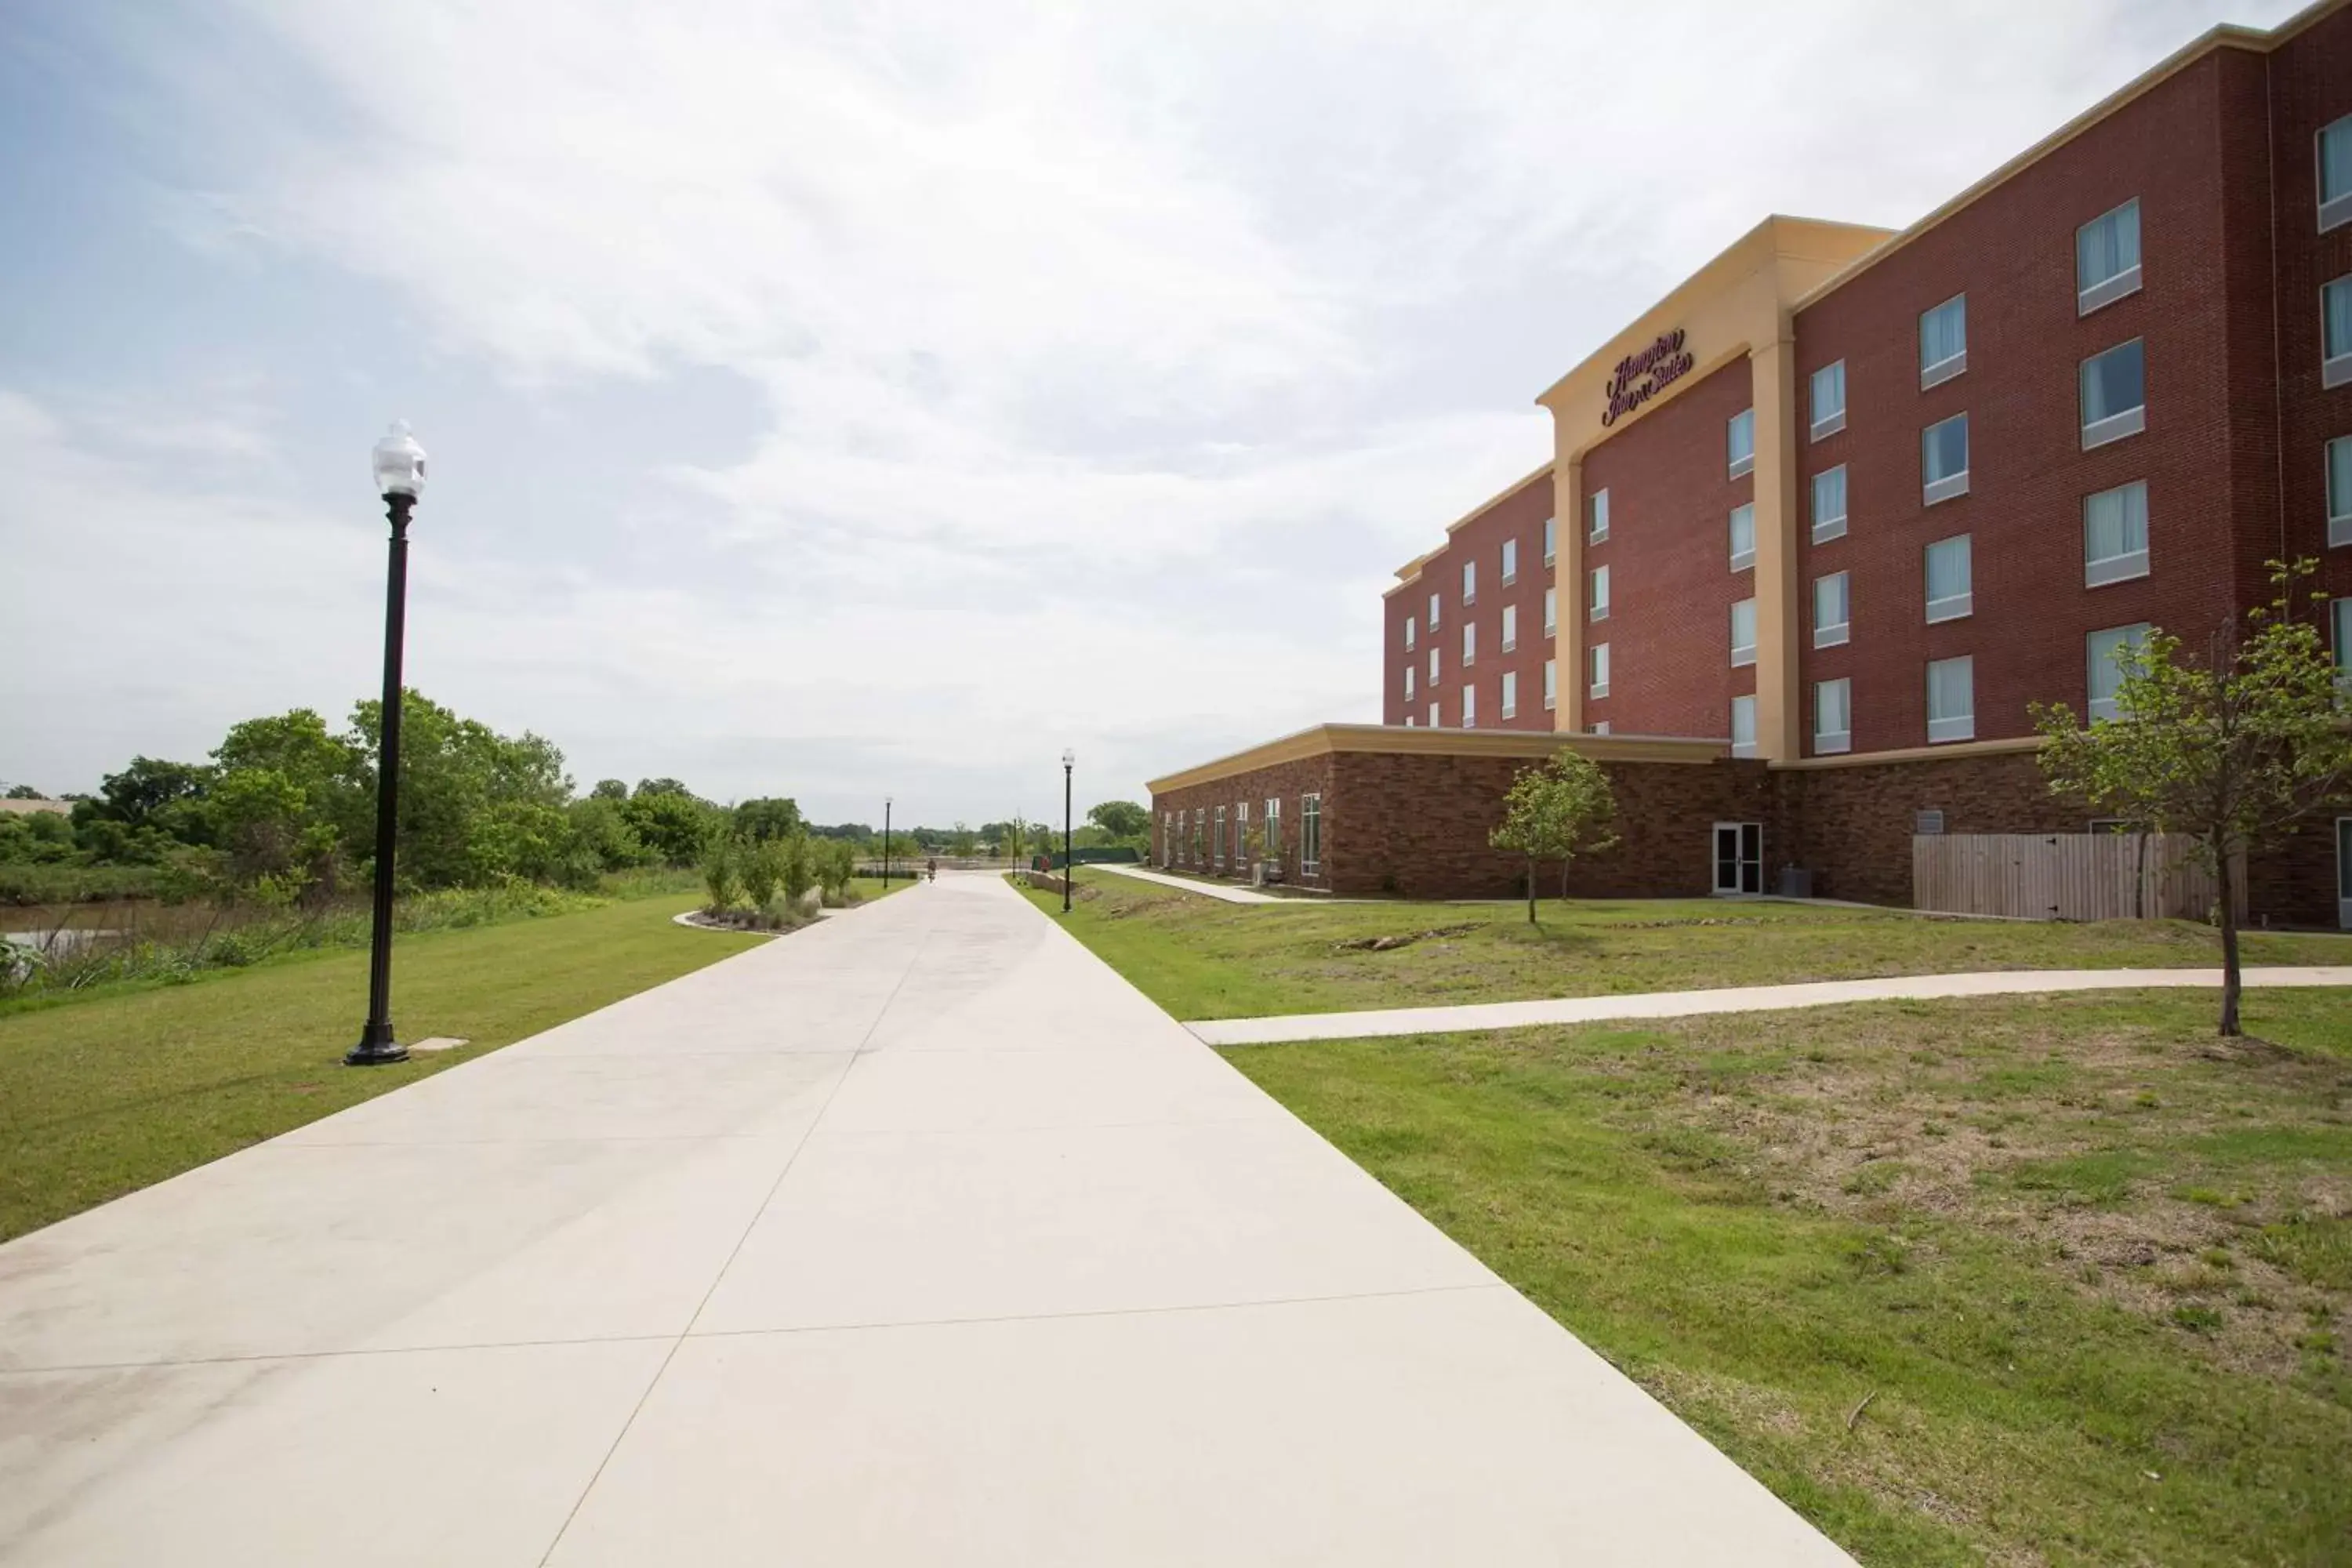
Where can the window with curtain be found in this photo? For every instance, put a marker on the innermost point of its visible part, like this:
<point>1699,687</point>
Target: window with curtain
<point>2114,534</point>
<point>1944,340</point>
<point>2106,675</point>
<point>1550,539</point>
<point>1598,657</point>
<point>1433,714</point>
<point>2114,397</point>
<point>1944,459</point>
<point>1828,400</point>
<point>1510,560</point>
<point>1433,612</point>
<point>1510,694</point>
<point>2106,256</point>
<point>1743,726</point>
<point>1411,632</point>
<point>1741,440</point>
<point>1830,610</point>
<point>2339,491</point>
<point>1469,707</point>
<point>1407,683</point>
<point>2336,323</point>
<point>1551,611</point>
<point>1829,504</point>
<point>1469,643</point>
<point>1951,588</point>
<point>1599,610</point>
<point>1433,666</point>
<point>1743,632</point>
<point>1743,536</point>
<point>1273,820</point>
<point>1551,683</point>
<point>1510,627</point>
<point>1833,716</point>
<point>2335,174</point>
<point>1469,582</point>
<point>1952,698</point>
<point>1596,513</point>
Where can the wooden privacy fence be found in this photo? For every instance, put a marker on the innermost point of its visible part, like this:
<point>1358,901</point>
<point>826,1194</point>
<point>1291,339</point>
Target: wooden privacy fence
<point>2063,876</point>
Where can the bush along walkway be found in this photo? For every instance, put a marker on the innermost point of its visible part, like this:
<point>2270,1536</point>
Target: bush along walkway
<point>1391,1021</point>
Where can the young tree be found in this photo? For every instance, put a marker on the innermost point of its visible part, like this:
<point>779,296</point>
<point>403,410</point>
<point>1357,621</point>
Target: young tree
<point>719,874</point>
<point>1557,812</point>
<point>2233,750</point>
<point>1015,840</point>
<point>763,867</point>
<point>796,868</point>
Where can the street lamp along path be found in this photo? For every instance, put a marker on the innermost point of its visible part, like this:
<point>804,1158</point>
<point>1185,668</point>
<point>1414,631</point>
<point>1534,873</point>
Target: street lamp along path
<point>1069,864</point>
<point>400,480</point>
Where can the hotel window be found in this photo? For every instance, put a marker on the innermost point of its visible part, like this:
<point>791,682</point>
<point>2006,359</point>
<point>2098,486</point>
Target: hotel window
<point>1833,717</point>
<point>1944,340</point>
<point>1598,655</point>
<point>2115,535</point>
<point>2339,491</point>
<point>1743,726</point>
<point>1310,834</point>
<point>2107,259</point>
<point>1743,633</point>
<point>1952,699</point>
<point>1599,610</point>
<point>1274,827</point>
<point>1433,721</point>
<point>1943,459</point>
<point>1510,560</point>
<point>1829,400</point>
<point>1411,632</point>
<point>1551,596</point>
<point>1200,829</point>
<point>1241,832</point>
<point>2104,650</point>
<point>1830,611</point>
<point>1469,643</point>
<point>2339,611</point>
<point>1741,440</point>
<point>1510,627</point>
<point>1407,683</point>
<point>1217,840</point>
<point>2115,395</point>
<point>1829,504</point>
<point>1596,516</point>
<point>1600,727</point>
<point>1551,526</point>
<point>1433,612</point>
<point>1469,707</point>
<point>1951,580</point>
<point>1551,683</point>
<point>1743,536</point>
<point>1432,663</point>
<point>1469,582</point>
<point>2336,332</point>
<point>2336,174</point>
<point>1510,694</point>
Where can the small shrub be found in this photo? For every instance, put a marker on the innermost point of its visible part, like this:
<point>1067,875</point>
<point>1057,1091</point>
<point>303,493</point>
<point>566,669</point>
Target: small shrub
<point>718,876</point>
<point>763,869</point>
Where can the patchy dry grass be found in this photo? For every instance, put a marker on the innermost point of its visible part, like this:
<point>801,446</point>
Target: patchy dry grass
<point>1200,958</point>
<point>2092,1268</point>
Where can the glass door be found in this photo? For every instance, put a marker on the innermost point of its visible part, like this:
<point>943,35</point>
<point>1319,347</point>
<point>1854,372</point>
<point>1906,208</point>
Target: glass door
<point>1739,858</point>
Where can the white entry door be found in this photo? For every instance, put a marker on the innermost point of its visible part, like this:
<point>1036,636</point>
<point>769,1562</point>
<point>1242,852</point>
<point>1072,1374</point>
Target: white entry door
<point>1739,858</point>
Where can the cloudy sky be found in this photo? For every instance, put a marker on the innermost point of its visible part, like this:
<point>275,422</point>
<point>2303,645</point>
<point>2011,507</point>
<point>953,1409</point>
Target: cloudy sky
<point>850,398</point>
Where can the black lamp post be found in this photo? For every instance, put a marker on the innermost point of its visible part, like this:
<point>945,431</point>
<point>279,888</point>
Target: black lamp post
<point>1069,865</point>
<point>886,843</point>
<point>400,480</point>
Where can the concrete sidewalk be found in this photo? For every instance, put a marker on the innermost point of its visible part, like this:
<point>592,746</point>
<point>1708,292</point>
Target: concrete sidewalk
<point>915,1237</point>
<point>1475,1016</point>
<point>1218,891</point>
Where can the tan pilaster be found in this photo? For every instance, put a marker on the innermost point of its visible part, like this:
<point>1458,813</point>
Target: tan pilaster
<point>1568,646</point>
<point>1779,620</point>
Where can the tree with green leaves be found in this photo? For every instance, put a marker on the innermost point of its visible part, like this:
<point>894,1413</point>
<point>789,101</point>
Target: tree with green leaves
<point>768,818</point>
<point>1120,818</point>
<point>1557,812</point>
<point>721,875</point>
<point>2235,749</point>
<point>1013,841</point>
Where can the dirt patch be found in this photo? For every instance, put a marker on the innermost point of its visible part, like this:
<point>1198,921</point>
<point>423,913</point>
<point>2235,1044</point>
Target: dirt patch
<point>1404,939</point>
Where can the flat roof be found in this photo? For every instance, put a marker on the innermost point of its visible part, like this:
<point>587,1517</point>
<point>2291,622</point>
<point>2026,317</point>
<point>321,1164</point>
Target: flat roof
<point>1413,740</point>
<point>1412,569</point>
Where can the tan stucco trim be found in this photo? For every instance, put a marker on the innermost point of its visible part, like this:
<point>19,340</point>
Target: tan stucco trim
<point>1407,740</point>
<point>1919,754</point>
<point>2227,35</point>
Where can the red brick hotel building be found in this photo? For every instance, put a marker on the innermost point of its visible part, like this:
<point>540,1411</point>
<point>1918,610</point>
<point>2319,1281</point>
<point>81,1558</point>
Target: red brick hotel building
<point>1820,525</point>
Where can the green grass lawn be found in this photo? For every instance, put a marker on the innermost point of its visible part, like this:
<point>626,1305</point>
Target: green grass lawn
<point>2090,1270</point>
<point>104,1094</point>
<point>1200,958</point>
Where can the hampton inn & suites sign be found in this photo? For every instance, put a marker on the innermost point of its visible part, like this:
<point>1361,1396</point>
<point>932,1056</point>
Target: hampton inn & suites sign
<point>1642,376</point>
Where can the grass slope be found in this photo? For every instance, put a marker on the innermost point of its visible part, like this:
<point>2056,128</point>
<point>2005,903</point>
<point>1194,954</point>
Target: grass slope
<point>2090,1270</point>
<point>104,1095</point>
<point>1200,958</point>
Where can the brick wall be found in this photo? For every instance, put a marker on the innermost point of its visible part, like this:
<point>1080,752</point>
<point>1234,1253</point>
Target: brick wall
<point>1516,516</point>
<point>2011,252</point>
<point>1668,553</point>
<point>1851,825</point>
<point>1288,781</point>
